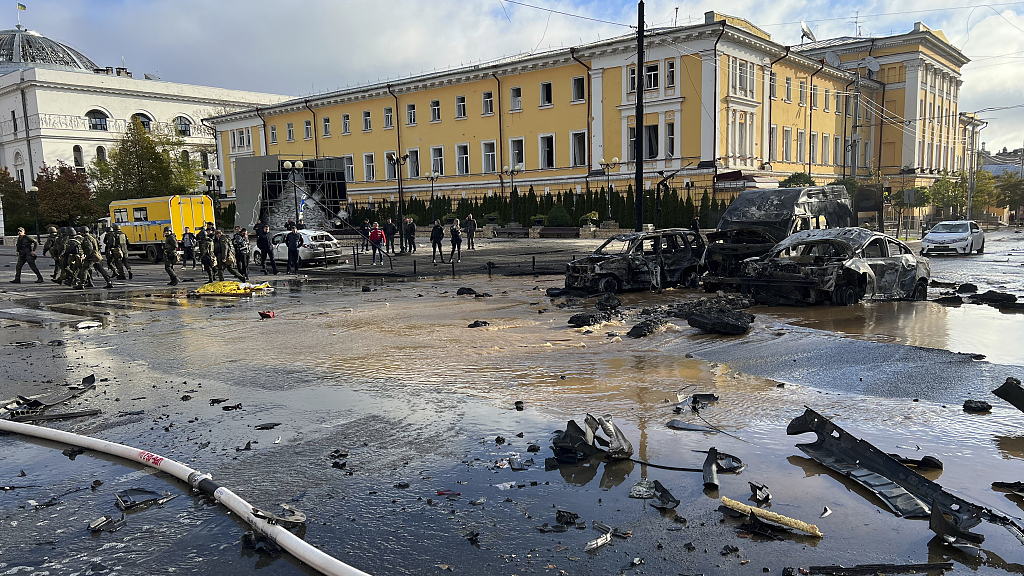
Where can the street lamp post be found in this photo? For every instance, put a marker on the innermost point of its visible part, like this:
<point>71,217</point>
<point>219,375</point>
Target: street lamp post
<point>35,202</point>
<point>399,161</point>
<point>213,185</point>
<point>292,168</point>
<point>607,166</point>
<point>511,173</point>
<point>432,176</point>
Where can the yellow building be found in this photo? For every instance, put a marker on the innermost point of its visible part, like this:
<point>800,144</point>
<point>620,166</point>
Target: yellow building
<point>721,99</point>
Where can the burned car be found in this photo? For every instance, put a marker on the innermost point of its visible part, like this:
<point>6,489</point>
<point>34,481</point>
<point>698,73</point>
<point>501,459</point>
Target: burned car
<point>639,260</point>
<point>841,266</point>
<point>758,219</point>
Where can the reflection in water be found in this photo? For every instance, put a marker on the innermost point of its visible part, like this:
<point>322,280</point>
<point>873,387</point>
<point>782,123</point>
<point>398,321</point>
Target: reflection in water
<point>1010,447</point>
<point>813,468</point>
<point>583,472</point>
<point>939,551</point>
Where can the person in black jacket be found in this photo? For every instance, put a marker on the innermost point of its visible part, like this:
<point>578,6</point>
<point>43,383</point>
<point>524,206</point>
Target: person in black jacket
<point>390,231</point>
<point>188,246</point>
<point>469,227</point>
<point>293,240</point>
<point>364,231</point>
<point>265,247</point>
<point>456,234</point>
<point>26,249</point>
<point>410,234</point>
<point>436,235</point>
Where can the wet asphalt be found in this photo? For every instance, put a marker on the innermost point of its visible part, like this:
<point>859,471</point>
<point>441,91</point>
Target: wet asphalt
<point>392,377</point>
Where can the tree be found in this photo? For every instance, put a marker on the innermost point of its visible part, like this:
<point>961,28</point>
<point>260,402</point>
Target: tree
<point>65,197</point>
<point>949,194</point>
<point>1010,187</point>
<point>984,193</point>
<point>135,168</point>
<point>558,216</point>
<point>797,180</point>
<point>18,207</point>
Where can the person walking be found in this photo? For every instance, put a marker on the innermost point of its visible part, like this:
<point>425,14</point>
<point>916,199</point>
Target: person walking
<point>206,255</point>
<point>170,255</point>
<point>364,231</point>
<point>93,258</point>
<point>117,254</point>
<point>73,258</point>
<point>225,253</point>
<point>410,234</point>
<point>377,244</point>
<point>390,230</point>
<point>188,246</point>
<point>436,236</point>
<point>469,226</point>
<point>26,249</point>
<point>293,240</point>
<point>52,247</point>
<point>265,248</point>
<point>456,234</point>
<point>240,242</point>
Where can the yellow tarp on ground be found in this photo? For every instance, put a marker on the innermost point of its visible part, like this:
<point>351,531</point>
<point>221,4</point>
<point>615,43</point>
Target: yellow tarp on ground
<point>232,288</point>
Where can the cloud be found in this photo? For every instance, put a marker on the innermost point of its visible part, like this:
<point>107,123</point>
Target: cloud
<point>307,46</point>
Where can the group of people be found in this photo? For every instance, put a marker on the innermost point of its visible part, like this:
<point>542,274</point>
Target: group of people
<point>455,232</point>
<point>76,255</point>
<point>217,252</point>
<point>380,240</point>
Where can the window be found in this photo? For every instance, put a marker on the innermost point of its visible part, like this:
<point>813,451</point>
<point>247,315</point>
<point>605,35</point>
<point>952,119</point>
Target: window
<point>366,121</point>
<point>79,157</point>
<point>14,120</point>
<point>414,162</point>
<point>204,157</point>
<point>273,133</point>
<point>837,149</point>
<point>517,99</point>
<point>435,110</point>
<point>814,96</point>
<point>670,140</point>
<point>631,78</point>
<point>787,144</point>
<point>773,143</point>
<point>773,89</point>
<point>248,137</point>
<point>670,74</point>
<point>97,120</point>
<point>140,215</point>
<point>578,145</point>
<point>650,142</point>
<point>490,164</point>
<point>348,166</point>
<point>410,114</point>
<point>462,159</point>
<point>389,120</point>
<point>185,159</point>
<point>101,154</point>
<point>368,172</point>
<point>741,74</point>
<point>825,140</point>
<point>390,168</point>
<point>801,142</point>
<point>849,105</point>
<point>547,151</point>
<point>346,124</point>
<point>803,93</point>
<point>847,156</point>
<point>828,96</point>
<point>651,76</point>
<point>789,89</point>
<point>182,124</point>
<point>120,214</point>
<point>579,91</point>
<point>326,121</point>
<point>307,129</point>
<point>488,103</point>
<point>631,143</point>
<point>460,106</point>
<point>517,151</point>
<point>290,131</point>
<point>838,102</point>
<point>437,160</point>
<point>545,94</point>
<point>812,148</point>
<point>143,119</point>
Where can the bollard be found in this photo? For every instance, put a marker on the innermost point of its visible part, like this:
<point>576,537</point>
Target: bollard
<point>413,267</point>
<point>534,264</point>
<point>453,267</point>
<point>355,259</point>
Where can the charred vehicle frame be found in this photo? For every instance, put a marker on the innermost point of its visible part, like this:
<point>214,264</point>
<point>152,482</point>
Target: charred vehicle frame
<point>639,260</point>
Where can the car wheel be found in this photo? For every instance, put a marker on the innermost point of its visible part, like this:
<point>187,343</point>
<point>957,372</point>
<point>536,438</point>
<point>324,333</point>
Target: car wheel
<point>845,296</point>
<point>255,255</point>
<point>920,290</point>
<point>608,284</point>
<point>151,254</point>
<point>981,249</point>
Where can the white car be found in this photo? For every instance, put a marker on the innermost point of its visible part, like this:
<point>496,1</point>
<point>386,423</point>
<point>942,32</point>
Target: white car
<point>317,246</point>
<point>954,237</point>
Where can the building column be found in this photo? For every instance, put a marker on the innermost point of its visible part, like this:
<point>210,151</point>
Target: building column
<point>911,109</point>
<point>710,143</point>
<point>597,112</point>
<point>751,133</point>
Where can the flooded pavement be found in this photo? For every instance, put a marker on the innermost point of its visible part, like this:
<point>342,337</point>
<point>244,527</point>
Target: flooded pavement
<point>393,378</point>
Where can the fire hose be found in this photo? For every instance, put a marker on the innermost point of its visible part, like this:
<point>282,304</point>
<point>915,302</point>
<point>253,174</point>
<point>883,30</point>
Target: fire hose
<point>321,561</point>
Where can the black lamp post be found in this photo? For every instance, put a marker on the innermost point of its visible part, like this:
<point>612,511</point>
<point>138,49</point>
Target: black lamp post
<point>35,202</point>
<point>292,169</point>
<point>511,173</point>
<point>607,166</point>
<point>399,161</point>
<point>214,185</point>
<point>432,176</point>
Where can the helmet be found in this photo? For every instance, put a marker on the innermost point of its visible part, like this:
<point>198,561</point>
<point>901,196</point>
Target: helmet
<point>167,229</point>
<point>81,229</point>
<point>51,228</point>
<point>115,227</point>
<point>68,231</point>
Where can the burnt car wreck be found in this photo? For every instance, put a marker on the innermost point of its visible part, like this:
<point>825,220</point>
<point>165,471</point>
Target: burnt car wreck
<point>758,219</point>
<point>841,266</point>
<point>638,261</point>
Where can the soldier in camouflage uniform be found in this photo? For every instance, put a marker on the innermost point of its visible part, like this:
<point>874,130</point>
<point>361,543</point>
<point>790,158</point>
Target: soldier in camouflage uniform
<point>49,247</point>
<point>225,253</point>
<point>26,249</point>
<point>93,258</point>
<point>74,261</point>
<point>206,255</point>
<point>117,251</point>
<point>170,255</point>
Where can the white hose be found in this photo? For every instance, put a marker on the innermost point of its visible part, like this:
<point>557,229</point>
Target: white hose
<point>297,547</point>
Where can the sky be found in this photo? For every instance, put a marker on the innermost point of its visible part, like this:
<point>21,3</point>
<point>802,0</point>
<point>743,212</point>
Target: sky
<point>302,47</point>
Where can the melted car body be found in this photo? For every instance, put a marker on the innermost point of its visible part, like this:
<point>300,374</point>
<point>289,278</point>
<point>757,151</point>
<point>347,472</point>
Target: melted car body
<point>638,260</point>
<point>841,266</point>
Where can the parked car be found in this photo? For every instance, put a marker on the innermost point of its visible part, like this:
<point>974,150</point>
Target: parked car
<point>954,237</point>
<point>639,260</point>
<point>841,266</point>
<point>317,246</point>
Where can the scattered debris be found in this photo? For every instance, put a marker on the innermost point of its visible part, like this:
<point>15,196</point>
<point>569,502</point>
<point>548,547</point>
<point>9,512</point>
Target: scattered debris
<point>599,541</point>
<point>247,447</point>
<point>642,490</point>
<point>977,406</point>
<point>267,426</point>
<point>949,300</point>
<point>478,324</point>
<point>215,401</point>
<point>759,492</point>
<point>186,397</point>
<point>966,288</point>
<point>758,527</point>
<point>721,321</point>
<point>576,444</point>
<point>711,469</point>
<point>499,440</point>
<point>464,291</point>
<point>266,314</point>
<point>478,502</point>
<point>520,405</point>
<point>924,463</point>
<point>646,327</point>
<point>294,519</point>
<point>583,319</point>
<point>339,464</point>
<point>545,528</point>
<point>87,324</point>
<point>993,297</point>
<point>872,569</point>
<point>680,425</point>
<point>952,535</point>
<point>401,485</point>
<point>1012,392</point>
<point>260,543</point>
<point>729,549</point>
<point>230,408</point>
<point>61,416</point>
<point>825,512</point>
<point>694,402</point>
<point>339,453</point>
<point>607,302</point>
<point>107,524</point>
<point>773,517</point>
<point>663,499</point>
<point>141,498</point>
<point>566,518</point>
<point>72,453</point>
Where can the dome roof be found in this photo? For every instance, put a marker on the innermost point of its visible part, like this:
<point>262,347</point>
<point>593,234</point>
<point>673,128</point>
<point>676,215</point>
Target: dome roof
<point>23,48</point>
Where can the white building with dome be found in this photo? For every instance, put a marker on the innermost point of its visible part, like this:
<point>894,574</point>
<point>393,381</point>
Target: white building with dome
<point>56,104</point>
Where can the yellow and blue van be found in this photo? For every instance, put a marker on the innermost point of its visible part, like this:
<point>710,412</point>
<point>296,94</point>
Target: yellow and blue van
<point>143,219</point>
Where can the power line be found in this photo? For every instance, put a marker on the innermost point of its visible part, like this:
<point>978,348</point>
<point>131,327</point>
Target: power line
<point>897,13</point>
<point>571,15</point>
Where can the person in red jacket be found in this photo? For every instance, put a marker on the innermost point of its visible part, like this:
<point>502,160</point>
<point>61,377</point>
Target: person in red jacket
<point>377,240</point>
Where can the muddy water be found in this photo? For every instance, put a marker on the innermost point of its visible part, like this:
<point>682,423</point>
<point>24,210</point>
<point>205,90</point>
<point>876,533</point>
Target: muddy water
<point>394,377</point>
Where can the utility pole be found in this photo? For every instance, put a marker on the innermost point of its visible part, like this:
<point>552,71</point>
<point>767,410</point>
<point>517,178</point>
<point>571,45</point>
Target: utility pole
<point>638,141</point>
